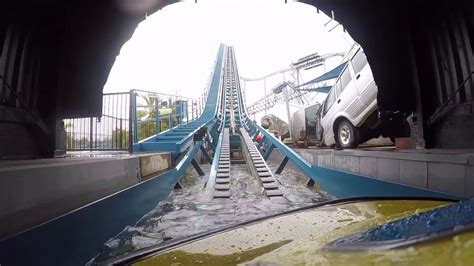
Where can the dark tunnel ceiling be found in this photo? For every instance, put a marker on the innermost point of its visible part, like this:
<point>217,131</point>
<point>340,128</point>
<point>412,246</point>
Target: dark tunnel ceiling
<point>85,37</point>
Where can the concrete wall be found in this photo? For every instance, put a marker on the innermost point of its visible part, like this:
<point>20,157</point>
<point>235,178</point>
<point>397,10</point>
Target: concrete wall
<point>151,164</point>
<point>443,172</point>
<point>17,140</point>
<point>32,192</point>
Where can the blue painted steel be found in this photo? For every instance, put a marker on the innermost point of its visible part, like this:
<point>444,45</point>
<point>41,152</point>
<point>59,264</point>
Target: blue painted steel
<point>197,167</point>
<point>76,237</point>
<point>442,221</point>
<point>164,141</point>
<point>342,184</point>
<point>282,165</point>
<point>206,155</point>
<point>268,152</point>
<point>133,107</point>
<point>324,89</point>
<point>179,111</point>
<point>213,133</point>
<point>331,74</point>
<point>158,118</point>
<point>215,164</point>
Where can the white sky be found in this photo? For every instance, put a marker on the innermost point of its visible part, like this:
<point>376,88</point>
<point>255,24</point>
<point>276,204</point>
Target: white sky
<point>173,50</point>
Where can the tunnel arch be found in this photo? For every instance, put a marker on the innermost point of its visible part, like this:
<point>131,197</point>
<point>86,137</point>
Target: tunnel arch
<point>59,56</point>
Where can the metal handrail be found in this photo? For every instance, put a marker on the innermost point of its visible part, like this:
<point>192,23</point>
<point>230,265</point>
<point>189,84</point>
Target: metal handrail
<point>38,120</point>
<point>153,93</point>
<point>437,114</point>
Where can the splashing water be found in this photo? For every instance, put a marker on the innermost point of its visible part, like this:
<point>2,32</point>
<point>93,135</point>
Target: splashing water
<point>191,210</point>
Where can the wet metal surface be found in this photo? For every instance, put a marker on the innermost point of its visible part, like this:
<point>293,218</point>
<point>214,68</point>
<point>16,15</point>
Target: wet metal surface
<point>192,210</point>
<point>299,239</point>
<point>259,168</point>
<point>222,186</point>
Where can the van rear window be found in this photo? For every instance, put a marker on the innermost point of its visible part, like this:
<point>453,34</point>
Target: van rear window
<point>330,100</point>
<point>345,79</point>
<point>359,61</point>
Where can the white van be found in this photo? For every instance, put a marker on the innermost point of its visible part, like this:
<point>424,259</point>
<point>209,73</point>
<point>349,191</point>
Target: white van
<point>352,102</point>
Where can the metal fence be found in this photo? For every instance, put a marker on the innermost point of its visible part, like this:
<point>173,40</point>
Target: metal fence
<point>110,131</point>
<point>157,112</point>
<point>152,112</point>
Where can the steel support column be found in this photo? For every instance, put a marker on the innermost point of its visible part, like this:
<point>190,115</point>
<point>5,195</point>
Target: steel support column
<point>197,167</point>
<point>133,107</point>
<point>204,152</point>
<point>158,118</point>
<point>268,152</point>
<point>282,165</point>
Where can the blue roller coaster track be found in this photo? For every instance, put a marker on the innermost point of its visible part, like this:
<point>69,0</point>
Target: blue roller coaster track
<point>74,238</point>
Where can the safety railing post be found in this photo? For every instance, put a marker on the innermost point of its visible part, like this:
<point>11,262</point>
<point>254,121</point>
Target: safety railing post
<point>91,134</point>
<point>187,111</point>
<point>180,114</point>
<point>202,100</point>
<point>199,107</point>
<point>157,112</point>
<point>121,135</point>
<point>133,120</point>
<point>130,123</point>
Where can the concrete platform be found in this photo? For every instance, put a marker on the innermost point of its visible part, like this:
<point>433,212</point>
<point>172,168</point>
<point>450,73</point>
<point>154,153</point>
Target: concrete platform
<point>448,171</point>
<point>35,191</point>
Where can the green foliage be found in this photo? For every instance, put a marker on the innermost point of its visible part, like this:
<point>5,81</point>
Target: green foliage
<point>70,141</point>
<point>147,119</point>
<point>119,138</point>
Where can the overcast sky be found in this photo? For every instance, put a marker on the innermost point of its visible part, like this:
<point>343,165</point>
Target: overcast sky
<point>173,50</point>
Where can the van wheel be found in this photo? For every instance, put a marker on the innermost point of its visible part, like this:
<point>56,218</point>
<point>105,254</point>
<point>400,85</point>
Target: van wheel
<point>347,135</point>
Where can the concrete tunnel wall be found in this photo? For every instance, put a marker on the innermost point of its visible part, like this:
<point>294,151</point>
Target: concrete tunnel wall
<point>57,56</point>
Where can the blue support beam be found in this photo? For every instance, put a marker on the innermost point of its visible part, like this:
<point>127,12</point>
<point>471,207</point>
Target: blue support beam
<point>342,184</point>
<point>212,145</point>
<point>282,165</point>
<point>133,107</point>
<point>197,167</point>
<point>213,133</point>
<point>215,164</point>
<point>206,155</point>
<point>158,118</point>
<point>181,135</point>
<point>268,152</point>
<point>75,238</point>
